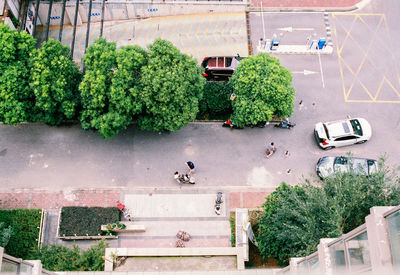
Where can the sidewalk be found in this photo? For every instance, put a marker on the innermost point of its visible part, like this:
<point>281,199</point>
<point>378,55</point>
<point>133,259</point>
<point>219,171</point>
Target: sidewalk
<point>53,200</point>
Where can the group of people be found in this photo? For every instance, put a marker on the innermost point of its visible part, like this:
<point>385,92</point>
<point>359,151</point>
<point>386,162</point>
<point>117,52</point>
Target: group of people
<point>186,177</point>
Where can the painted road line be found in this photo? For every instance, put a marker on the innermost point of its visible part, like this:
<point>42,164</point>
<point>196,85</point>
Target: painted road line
<point>181,35</point>
<point>188,35</point>
<point>320,68</point>
<point>117,33</point>
<point>304,72</point>
<point>165,26</point>
<point>328,29</point>
<point>216,35</point>
<point>66,36</point>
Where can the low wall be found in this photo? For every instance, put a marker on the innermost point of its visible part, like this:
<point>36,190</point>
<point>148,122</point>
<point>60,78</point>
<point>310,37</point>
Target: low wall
<point>168,252</point>
<point>134,10</point>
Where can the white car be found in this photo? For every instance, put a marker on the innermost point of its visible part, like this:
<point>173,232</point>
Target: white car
<point>328,166</point>
<point>342,133</point>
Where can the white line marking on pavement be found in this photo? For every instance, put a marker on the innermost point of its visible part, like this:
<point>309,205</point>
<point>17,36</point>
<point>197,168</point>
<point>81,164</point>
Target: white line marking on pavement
<point>305,72</point>
<point>291,29</point>
<point>320,67</point>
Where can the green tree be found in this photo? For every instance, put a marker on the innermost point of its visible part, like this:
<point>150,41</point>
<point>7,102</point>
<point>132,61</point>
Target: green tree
<point>110,89</point>
<point>55,79</point>
<point>16,97</point>
<point>124,97</point>
<point>297,217</point>
<point>172,87</point>
<point>263,90</point>
<point>216,99</point>
<point>100,62</point>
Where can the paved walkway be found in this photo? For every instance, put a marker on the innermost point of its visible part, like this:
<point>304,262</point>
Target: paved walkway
<point>53,200</point>
<point>162,212</point>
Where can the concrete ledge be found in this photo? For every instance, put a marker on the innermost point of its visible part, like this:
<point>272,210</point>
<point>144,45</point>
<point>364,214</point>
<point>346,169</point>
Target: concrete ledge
<point>168,252</point>
<point>130,227</point>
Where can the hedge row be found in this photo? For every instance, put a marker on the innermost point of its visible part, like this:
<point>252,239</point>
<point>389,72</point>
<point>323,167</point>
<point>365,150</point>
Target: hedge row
<point>216,103</point>
<point>82,221</point>
<point>25,230</point>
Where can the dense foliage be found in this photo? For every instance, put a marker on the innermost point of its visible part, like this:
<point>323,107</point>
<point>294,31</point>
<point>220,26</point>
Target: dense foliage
<point>60,258</point>
<point>296,217</point>
<point>80,221</point>
<point>216,101</point>
<point>263,90</point>
<point>172,86</point>
<point>16,96</point>
<point>100,62</point>
<point>24,224</point>
<point>5,234</point>
<point>110,90</point>
<point>55,79</point>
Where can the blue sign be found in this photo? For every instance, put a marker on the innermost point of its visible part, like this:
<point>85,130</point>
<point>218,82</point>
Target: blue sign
<point>152,10</point>
<point>54,17</point>
<point>274,44</point>
<point>96,14</point>
<point>321,43</point>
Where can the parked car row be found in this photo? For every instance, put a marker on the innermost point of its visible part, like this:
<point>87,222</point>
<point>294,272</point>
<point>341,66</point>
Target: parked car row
<point>329,135</point>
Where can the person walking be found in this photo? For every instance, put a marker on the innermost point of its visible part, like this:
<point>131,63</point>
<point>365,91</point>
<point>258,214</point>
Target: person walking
<point>190,165</point>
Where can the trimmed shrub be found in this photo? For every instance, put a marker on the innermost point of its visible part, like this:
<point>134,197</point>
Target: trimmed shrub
<point>56,257</point>
<point>24,224</point>
<point>216,101</point>
<point>82,221</point>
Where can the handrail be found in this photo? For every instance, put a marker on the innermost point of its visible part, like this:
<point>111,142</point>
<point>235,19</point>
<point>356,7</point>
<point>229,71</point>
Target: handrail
<point>391,211</point>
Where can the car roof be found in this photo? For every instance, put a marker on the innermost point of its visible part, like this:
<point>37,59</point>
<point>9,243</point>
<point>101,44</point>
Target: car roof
<point>339,128</point>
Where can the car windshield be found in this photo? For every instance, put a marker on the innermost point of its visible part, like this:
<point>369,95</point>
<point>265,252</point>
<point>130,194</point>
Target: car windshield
<point>346,127</point>
<point>356,127</point>
<point>326,131</point>
<point>340,165</point>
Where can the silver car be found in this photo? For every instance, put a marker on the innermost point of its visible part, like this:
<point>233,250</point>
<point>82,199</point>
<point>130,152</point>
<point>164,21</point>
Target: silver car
<point>328,166</point>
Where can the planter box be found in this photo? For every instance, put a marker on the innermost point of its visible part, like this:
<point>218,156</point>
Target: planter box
<point>130,227</point>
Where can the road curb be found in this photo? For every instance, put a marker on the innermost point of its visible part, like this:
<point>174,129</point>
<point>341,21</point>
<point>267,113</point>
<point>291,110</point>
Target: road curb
<point>242,188</point>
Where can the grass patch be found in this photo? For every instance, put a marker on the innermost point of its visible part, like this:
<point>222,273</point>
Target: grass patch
<point>86,221</point>
<point>24,224</point>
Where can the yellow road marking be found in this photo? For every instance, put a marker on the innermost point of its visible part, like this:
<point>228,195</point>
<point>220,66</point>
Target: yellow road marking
<point>365,52</point>
<point>391,85</point>
<point>348,33</point>
<point>370,101</point>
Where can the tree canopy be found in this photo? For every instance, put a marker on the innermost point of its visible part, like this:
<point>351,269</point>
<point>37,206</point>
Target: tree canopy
<point>171,88</point>
<point>111,90</point>
<point>263,90</point>
<point>16,97</point>
<point>55,79</point>
<point>297,217</point>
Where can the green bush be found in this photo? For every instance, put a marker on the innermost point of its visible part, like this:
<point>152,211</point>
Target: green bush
<point>82,221</point>
<point>24,224</point>
<point>297,217</point>
<point>216,101</point>
<point>60,258</point>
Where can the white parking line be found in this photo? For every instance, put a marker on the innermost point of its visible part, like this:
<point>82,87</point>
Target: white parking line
<point>320,68</point>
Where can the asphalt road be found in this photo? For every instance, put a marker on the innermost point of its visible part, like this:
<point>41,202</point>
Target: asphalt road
<point>361,78</point>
